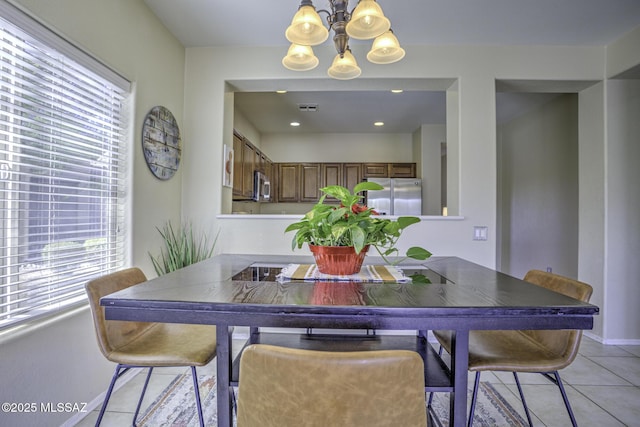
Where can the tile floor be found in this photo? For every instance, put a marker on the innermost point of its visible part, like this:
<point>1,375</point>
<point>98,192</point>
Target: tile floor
<point>603,385</point>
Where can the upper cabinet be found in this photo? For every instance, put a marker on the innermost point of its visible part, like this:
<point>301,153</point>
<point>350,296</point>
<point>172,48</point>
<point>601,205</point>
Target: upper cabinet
<point>389,170</point>
<point>301,182</point>
<point>247,160</point>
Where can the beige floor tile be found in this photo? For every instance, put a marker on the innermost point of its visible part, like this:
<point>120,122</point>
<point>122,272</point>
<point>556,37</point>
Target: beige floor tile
<point>584,371</point>
<point>600,385</point>
<point>625,367</point>
<point>623,403</point>
<point>545,402</point>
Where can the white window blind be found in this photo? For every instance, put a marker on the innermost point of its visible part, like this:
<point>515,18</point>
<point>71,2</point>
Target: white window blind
<point>62,177</point>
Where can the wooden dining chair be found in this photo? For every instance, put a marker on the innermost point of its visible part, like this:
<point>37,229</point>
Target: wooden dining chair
<point>287,387</point>
<point>538,351</point>
<point>148,345</point>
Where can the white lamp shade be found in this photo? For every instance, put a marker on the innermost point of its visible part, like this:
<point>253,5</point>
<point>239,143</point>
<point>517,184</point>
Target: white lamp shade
<point>385,49</point>
<point>300,58</point>
<point>367,21</point>
<point>306,28</point>
<point>344,68</point>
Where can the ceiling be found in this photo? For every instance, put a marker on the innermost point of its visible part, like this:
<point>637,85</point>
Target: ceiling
<point>415,22</point>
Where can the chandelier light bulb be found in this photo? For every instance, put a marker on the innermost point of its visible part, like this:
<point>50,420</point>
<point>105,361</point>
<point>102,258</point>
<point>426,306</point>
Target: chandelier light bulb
<point>306,27</point>
<point>300,58</point>
<point>345,67</point>
<point>367,21</point>
<point>385,49</point>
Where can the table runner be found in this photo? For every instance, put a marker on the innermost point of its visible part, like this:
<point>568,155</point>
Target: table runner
<point>368,273</point>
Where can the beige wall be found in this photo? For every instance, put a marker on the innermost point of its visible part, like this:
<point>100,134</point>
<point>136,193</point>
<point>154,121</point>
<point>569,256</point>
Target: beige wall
<point>539,181</point>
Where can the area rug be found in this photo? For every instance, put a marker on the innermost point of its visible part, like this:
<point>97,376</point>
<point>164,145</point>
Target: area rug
<point>176,406</point>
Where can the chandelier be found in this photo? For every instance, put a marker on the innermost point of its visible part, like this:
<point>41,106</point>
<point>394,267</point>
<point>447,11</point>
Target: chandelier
<point>365,22</point>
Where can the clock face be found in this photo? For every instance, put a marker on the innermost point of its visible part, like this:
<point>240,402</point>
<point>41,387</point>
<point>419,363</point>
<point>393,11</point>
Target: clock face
<point>161,142</point>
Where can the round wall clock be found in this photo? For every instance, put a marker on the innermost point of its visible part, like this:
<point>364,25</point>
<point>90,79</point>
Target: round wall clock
<point>161,142</point>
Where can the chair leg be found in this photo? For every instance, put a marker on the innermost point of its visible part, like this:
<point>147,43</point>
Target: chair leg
<point>558,381</point>
<point>144,390</point>
<point>116,375</point>
<point>524,402</point>
<point>474,397</point>
<point>196,389</point>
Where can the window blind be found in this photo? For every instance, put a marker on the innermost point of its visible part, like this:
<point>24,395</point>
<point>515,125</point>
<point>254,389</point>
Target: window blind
<point>62,177</point>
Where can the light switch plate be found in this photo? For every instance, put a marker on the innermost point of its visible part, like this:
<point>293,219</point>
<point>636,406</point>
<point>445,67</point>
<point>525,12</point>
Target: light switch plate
<point>480,232</point>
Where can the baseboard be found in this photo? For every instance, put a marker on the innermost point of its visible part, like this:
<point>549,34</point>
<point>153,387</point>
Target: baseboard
<point>611,341</point>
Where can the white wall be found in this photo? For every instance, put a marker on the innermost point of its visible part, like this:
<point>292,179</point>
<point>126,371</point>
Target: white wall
<point>539,181</point>
<point>591,172</point>
<point>475,69</point>
<point>622,207</point>
<point>60,362</point>
<point>335,147</point>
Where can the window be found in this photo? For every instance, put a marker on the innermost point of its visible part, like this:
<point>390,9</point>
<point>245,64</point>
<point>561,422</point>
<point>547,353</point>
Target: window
<point>62,172</point>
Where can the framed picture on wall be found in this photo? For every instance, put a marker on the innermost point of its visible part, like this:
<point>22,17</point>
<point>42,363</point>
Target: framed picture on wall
<point>227,166</point>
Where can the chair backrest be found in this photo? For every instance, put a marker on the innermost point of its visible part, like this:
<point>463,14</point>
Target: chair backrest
<point>287,387</point>
<point>114,334</point>
<point>563,343</point>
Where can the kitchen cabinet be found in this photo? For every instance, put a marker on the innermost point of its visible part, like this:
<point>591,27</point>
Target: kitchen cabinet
<point>352,174</point>
<point>237,165</point>
<point>402,170</point>
<point>310,182</point>
<point>389,170</point>
<point>288,182</point>
<point>248,168</point>
<point>301,182</point>
<point>247,160</point>
<point>298,182</point>
<point>375,170</point>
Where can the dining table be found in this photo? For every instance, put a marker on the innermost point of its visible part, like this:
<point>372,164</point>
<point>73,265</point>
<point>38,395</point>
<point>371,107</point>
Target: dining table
<point>246,290</point>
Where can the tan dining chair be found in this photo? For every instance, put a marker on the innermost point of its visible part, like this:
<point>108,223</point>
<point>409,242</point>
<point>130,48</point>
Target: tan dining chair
<point>538,351</point>
<point>287,387</point>
<point>147,345</point>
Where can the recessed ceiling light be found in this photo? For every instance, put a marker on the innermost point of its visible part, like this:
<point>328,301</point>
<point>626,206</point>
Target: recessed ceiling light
<point>281,91</point>
<point>396,90</point>
<point>378,124</point>
<point>295,124</point>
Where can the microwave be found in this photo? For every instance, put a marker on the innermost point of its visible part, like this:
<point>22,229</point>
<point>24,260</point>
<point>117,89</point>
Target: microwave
<point>261,187</point>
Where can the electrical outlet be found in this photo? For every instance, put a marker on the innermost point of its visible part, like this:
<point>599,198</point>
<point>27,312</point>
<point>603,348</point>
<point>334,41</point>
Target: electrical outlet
<point>480,232</point>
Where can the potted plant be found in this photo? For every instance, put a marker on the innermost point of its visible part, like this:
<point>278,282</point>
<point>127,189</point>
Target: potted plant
<point>182,247</point>
<point>350,229</point>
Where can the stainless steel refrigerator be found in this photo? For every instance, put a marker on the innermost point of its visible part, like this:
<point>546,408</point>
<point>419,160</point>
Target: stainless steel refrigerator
<point>400,196</point>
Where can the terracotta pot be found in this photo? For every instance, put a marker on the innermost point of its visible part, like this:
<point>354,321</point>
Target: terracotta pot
<point>338,260</point>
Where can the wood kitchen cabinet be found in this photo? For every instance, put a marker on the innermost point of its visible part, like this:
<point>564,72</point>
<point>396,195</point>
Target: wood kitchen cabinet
<point>389,170</point>
<point>375,170</point>
<point>248,168</point>
<point>402,170</point>
<point>299,182</point>
<point>288,182</point>
<point>237,165</point>
<point>352,174</point>
<point>247,160</point>
<point>310,182</point>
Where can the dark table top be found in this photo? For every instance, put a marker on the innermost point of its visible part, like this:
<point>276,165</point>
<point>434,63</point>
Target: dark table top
<point>461,293</point>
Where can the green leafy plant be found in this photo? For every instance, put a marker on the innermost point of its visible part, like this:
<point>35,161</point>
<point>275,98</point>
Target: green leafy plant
<point>181,248</point>
<point>353,224</point>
